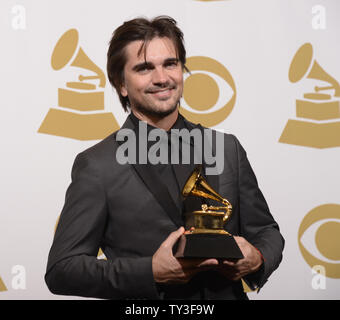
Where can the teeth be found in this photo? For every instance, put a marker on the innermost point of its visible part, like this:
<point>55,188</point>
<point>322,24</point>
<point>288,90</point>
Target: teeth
<point>163,90</point>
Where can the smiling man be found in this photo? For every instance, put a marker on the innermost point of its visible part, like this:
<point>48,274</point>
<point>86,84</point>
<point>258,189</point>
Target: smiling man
<point>134,212</point>
<point>154,82</point>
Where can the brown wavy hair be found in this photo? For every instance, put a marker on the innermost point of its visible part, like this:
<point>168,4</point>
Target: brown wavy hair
<point>145,30</point>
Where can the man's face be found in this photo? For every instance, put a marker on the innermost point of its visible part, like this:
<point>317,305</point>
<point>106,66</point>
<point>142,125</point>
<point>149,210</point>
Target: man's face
<point>153,82</point>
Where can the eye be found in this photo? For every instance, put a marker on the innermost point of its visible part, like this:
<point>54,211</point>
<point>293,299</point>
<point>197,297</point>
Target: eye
<point>319,238</point>
<point>171,64</point>
<point>143,68</point>
<point>209,92</point>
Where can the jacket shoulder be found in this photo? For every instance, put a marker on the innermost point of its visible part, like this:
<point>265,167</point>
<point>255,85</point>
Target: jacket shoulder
<point>107,145</point>
<point>229,138</point>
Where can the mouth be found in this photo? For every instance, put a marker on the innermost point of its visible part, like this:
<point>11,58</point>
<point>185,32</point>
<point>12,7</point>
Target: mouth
<point>163,93</point>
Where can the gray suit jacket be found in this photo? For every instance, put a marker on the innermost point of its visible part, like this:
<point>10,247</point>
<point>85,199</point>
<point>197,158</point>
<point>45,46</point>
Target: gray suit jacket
<point>126,210</point>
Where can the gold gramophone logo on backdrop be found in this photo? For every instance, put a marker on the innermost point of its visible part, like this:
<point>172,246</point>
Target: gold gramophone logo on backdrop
<point>2,286</point>
<point>202,92</point>
<point>318,123</point>
<point>80,113</point>
<point>322,227</point>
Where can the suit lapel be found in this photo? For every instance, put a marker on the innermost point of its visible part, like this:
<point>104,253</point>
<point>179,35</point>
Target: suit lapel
<point>183,172</point>
<point>158,188</point>
<point>159,191</point>
<point>155,185</point>
<point>213,180</point>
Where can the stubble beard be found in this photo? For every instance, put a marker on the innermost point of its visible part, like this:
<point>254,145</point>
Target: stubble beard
<point>156,113</point>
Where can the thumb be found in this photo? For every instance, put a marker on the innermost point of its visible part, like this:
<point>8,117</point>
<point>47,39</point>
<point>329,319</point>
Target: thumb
<point>173,237</point>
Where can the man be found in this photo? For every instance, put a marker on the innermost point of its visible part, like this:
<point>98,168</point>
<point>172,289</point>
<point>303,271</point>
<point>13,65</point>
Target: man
<point>133,211</point>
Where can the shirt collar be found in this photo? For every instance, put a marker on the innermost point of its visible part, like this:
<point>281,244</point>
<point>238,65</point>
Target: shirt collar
<point>178,125</point>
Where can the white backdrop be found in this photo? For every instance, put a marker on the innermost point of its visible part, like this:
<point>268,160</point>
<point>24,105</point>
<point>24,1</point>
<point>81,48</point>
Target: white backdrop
<point>255,40</point>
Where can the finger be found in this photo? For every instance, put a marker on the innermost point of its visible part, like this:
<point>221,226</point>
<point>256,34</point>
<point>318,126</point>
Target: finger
<point>242,243</point>
<point>230,263</point>
<point>208,262</point>
<point>188,274</point>
<point>190,263</point>
<point>229,273</point>
<point>173,237</point>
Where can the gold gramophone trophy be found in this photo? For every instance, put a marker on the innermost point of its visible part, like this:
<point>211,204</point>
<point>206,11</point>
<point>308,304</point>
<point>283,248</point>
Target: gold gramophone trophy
<point>205,236</point>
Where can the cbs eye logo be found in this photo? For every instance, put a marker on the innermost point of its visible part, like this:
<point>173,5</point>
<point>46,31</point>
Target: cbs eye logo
<point>320,232</point>
<point>209,91</point>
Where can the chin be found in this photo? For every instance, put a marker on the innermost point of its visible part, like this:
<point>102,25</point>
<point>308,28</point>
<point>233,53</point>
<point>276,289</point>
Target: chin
<point>158,111</point>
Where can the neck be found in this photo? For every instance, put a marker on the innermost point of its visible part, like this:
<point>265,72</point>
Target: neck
<point>164,123</point>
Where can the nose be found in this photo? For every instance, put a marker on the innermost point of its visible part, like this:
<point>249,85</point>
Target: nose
<point>160,77</point>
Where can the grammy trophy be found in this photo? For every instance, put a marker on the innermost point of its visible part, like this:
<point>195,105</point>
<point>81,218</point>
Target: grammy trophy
<point>205,236</point>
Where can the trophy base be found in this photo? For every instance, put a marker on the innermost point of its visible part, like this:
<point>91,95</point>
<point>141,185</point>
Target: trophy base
<point>208,245</point>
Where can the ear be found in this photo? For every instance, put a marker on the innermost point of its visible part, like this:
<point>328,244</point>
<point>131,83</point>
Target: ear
<point>123,90</point>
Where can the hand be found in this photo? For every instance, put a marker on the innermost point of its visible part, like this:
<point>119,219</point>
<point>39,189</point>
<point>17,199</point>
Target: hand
<point>235,270</point>
<point>168,269</point>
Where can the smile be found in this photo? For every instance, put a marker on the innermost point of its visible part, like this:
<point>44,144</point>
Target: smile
<point>164,93</point>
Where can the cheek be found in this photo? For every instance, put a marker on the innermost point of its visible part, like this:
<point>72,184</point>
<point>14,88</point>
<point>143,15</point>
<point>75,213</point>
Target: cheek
<point>134,86</point>
<point>180,85</point>
<point>178,78</point>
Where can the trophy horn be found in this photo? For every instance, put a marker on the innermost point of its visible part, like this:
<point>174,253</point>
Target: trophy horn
<point>196,185</point>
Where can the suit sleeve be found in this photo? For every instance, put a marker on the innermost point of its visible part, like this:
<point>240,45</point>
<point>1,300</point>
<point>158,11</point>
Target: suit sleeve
<point>73,267</point>
<point>257,225</point>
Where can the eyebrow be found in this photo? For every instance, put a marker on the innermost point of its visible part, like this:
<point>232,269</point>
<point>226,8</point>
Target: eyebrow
<point>171,60</point>
<point>147,64</point>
